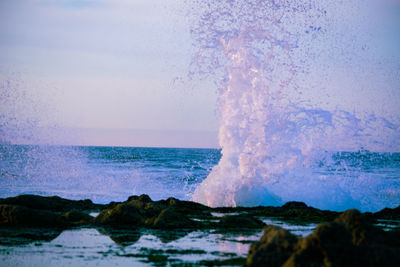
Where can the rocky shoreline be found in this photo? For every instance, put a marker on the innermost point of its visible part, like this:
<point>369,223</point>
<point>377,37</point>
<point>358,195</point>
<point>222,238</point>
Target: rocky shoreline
<point>350,238</point>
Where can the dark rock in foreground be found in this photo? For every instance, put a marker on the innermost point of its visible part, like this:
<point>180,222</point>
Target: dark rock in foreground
<point>77,218</point>
<point>123,214</point>
<point>38,211</point>
<point>388,214</point>
<point>14,215</point>
<point>350,240</point>
<point>143,212</point>
<point>54,203</point>
<point>273,249</point>
<point>239,221</point>
<point>171,219</point>
<point>343,239</point>
<point>292,212</point>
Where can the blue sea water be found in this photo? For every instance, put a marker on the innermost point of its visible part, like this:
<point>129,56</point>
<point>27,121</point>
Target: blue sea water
<point>105,174</point>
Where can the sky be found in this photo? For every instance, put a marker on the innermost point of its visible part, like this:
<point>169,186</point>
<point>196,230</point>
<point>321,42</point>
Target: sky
<point>109,72</point>
<point>358,68</point>
<point>105,65</point>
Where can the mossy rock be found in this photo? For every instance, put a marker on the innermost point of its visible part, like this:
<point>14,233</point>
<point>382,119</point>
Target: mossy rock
<point>239,222</point>
<point>349,240</point>
<point>14,215</point>
<point>170,219</point>
<point>53,203</point>
<point>122,215</point>
<point>76,217</point>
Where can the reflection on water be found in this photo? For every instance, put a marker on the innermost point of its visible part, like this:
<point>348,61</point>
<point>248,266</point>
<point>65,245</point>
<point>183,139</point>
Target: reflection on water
<point>137,247</point>
<point>88,247</point>
<point>21,236</point>
<point>388,225</point>
<point>299,230</point>
<point>123,248</point>
<point>73,248</point>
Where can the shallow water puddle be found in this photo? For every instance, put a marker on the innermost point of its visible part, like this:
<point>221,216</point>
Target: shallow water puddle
<point>89,247</point>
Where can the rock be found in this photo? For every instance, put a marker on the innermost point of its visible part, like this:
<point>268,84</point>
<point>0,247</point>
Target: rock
<point>350,240</point>
<point>273,249</point>
<point>170,219</point>
<point>142,211</point>
<point>388,214</point>
<point>294,205</point>
<point>155,207</point>
<point>122,215</point>
<point>291,211</point>
<point>137,203</point>
<point>185,207</point>
<point>111,205</point>
<point>54,203</point>
<point>239,222</point>
<point>357,224</point>
<point>143,198</point>
<point>147,209</point>
<point>76,217</point>
<point>151,208</point>
<point>328,241</point>
<point>295,211</point>
<point>14,215</point>
<point>86,204</point>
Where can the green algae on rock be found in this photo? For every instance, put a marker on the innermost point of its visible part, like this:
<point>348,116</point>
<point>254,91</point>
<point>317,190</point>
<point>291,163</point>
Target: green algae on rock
<point>350,240</point>
<point>342,239</point>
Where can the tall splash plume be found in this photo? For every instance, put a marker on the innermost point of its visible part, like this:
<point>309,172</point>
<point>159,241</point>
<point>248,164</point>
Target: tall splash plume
<point>270,139</point>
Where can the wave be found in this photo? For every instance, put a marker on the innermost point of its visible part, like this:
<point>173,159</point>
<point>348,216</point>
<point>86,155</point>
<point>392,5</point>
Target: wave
<point>271,138</point>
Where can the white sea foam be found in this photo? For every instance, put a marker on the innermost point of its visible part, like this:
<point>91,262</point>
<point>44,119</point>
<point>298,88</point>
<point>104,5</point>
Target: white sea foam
<point>271,139</point>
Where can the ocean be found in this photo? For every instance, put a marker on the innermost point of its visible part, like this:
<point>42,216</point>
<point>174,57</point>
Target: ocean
<point>103,174</point>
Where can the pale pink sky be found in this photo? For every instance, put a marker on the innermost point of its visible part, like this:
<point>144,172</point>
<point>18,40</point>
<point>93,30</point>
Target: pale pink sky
<point>112,65</point>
